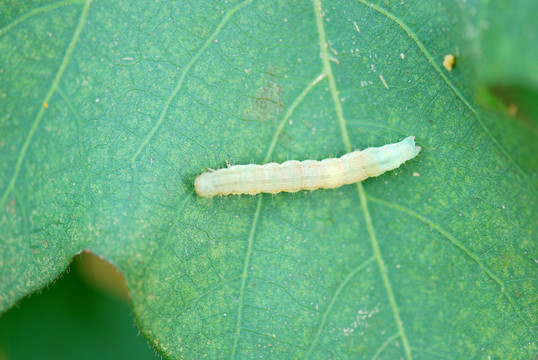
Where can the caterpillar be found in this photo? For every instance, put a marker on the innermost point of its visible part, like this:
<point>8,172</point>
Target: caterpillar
<point>293,175</point>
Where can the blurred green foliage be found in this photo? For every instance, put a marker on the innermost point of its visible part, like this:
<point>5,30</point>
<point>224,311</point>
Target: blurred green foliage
<point>72,319</point>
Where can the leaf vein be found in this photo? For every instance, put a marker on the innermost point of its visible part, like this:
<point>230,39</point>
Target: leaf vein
<point>270,150</point>
<point>362,195</point>
<point>384,345</point>
<point>36,11</point>
<point>48,96</point>
<point>333,301</point>
<point>461,247</point>
<point>183,75</point>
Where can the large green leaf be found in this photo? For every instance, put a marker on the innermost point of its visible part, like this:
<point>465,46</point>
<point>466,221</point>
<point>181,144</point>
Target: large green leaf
<point>109,110</point>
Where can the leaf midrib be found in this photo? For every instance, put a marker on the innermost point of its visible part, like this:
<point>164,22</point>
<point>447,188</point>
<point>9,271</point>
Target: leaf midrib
<point>360,189</point>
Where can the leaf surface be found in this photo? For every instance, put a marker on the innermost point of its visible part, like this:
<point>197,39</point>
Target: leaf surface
<point>109,110</point>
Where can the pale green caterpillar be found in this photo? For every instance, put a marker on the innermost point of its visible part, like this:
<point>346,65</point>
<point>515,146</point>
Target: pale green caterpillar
<point>293,175</point>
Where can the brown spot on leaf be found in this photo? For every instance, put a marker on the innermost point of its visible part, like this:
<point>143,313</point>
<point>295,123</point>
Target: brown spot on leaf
<point>267,102</point>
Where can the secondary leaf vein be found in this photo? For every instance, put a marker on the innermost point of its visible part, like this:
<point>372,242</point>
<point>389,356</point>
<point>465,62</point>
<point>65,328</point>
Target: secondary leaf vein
<point>333,301</point>
<point>48,96</point>
<point>36,11</point>
<point>464,249</point>
<point>187,68</point>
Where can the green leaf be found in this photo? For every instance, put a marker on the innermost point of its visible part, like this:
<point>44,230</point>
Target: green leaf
<point>109,110</point>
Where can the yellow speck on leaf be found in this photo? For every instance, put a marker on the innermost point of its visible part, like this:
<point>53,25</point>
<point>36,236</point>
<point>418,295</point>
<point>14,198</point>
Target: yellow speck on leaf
<point>449,61</point>
<point>46,105</point>
<point>512,110</point>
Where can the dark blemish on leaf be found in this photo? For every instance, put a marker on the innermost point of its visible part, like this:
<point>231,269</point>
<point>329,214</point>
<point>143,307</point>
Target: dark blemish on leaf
<point>267,102</point>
